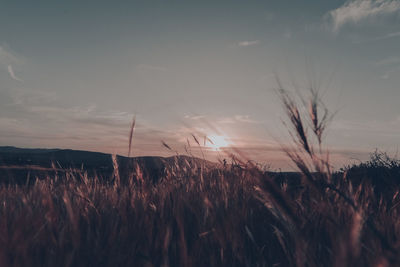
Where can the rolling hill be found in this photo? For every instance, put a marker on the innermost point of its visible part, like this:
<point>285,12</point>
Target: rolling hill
<point>17,164</point>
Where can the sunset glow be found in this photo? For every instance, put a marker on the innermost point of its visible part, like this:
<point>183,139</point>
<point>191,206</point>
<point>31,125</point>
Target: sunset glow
<point>204,67</point>
<point>216,142</point>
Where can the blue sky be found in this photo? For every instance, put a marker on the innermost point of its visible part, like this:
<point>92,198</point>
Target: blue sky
<point>74,73</point>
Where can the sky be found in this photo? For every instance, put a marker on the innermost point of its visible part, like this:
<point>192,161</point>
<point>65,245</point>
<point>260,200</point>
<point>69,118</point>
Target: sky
<point>74,74</point>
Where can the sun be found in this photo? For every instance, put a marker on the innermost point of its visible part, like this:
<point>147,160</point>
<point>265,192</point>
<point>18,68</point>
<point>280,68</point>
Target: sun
<point>217,142</point>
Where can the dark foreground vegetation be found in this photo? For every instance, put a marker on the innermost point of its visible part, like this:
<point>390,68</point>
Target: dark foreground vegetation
<point>219,217</point>
<point>211,216</point>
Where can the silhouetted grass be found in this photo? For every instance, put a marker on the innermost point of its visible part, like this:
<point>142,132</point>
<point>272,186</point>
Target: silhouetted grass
<point>228,215</point>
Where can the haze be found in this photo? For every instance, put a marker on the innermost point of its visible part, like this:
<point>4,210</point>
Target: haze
<point>74,73</point>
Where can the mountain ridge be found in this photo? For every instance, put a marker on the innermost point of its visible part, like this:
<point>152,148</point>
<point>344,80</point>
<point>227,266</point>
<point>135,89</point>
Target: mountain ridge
<point>20,162</point>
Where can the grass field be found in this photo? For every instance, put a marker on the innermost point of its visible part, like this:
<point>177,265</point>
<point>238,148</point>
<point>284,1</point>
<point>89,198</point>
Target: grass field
<point>232,215</point>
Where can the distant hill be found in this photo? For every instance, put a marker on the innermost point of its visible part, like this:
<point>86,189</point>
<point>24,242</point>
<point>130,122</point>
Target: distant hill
<point>13,149</point>
<point>19,163</point>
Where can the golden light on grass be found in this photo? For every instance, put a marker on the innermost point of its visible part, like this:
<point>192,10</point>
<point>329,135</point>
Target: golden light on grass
<point>216,142</point>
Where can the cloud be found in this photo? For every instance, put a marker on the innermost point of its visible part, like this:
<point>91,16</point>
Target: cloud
<point>388,36</point>
<point>356,11</point>
<point>12,74</point>
<point>248,43</point>
<point>224,120</point>
<point>194,117</point>
<point>379,38</point>
<point>391,35</point>
<point>35,119</point>
<point>9,59</point>
<point>237,119</point>
<point>6,57</point>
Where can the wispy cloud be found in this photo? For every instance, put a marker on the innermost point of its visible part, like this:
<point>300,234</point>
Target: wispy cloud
<point>391,35</point>
<point>356,11</point>
<point>248,43</point>
<point>224,120</point>
<point>237,119</point>
<point>194,117</point>
<point>35,118</point>
<point>12,74</point>
<point>379,38</point>
<point>6,57</point>
<point>387,36</point>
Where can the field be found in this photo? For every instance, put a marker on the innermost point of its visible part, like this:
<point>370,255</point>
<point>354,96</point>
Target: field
<point>230,214</point>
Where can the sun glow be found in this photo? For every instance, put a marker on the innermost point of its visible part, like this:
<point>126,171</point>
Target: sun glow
<point>216,142</point>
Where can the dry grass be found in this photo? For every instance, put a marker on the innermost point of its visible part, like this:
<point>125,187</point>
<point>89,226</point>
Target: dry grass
<point>212,216</point>
<point>131,135</point>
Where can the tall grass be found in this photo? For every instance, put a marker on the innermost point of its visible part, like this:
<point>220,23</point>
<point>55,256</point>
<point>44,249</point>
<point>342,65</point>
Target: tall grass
<point>212,216</point>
